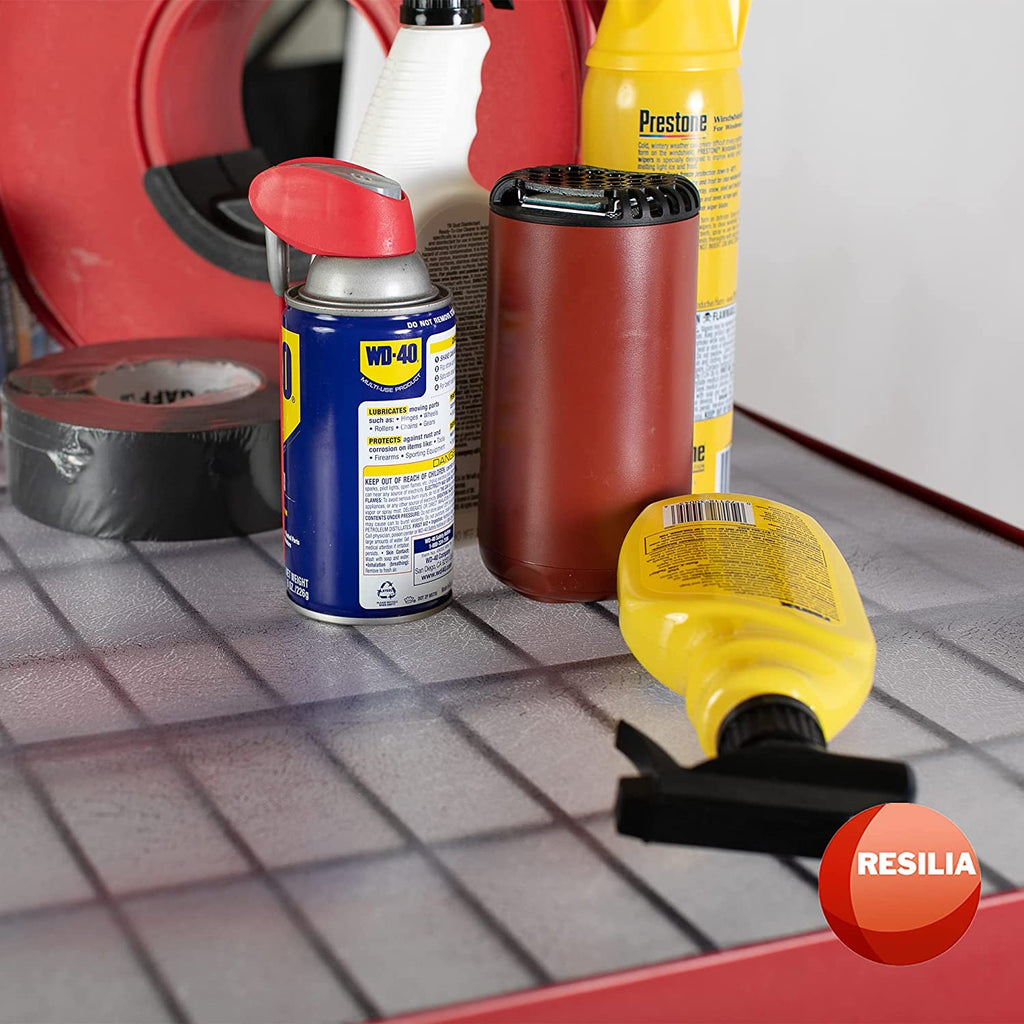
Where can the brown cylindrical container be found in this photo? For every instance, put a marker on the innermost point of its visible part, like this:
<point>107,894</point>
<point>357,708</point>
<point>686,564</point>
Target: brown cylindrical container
<point>588,380</point>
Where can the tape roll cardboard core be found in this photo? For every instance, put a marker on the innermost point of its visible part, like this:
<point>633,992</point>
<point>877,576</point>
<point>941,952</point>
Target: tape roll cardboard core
<point>177,381</point>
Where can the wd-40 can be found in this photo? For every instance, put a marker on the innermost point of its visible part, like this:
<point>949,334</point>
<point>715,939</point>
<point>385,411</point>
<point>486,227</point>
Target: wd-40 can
<point>367,397</point>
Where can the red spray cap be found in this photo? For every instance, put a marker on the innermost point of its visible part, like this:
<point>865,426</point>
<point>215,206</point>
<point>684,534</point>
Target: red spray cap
<point>331,208</point>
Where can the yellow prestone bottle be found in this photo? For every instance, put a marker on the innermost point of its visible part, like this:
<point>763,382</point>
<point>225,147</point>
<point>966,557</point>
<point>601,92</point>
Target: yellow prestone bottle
<point>724,598</point>
<point>747,608</point>
<point>663,94</point>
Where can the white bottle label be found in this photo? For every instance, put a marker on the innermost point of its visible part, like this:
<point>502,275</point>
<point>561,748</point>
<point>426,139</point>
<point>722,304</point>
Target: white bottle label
<point>407,476</point>
<point>454,248</point>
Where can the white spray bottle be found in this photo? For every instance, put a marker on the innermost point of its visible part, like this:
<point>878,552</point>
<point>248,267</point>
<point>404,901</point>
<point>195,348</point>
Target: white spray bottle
<point>418,129</point>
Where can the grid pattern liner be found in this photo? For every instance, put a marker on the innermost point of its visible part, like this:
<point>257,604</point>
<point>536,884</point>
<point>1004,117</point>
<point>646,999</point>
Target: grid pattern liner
<point>212,809</point>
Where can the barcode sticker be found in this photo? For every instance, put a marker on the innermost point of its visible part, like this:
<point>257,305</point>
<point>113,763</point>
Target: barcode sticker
<point>722,469</point>
<point>708,510</point>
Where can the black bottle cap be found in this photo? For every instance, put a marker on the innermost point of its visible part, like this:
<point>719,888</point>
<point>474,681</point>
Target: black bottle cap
<point>770,718</point>
<point>446,12</point>
<point>772,789</point>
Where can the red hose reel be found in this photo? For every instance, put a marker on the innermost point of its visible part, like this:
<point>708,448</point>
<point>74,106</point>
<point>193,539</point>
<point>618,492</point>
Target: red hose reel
<point>101,96</point>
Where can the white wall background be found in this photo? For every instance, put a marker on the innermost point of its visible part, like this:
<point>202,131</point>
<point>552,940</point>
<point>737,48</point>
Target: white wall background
<point>881,289</point>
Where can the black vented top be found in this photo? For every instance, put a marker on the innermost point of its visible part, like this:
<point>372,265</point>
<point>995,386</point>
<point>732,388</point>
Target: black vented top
<point>582,196</point>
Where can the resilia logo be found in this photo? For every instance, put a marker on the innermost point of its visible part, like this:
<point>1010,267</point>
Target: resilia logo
<point>899,884</point>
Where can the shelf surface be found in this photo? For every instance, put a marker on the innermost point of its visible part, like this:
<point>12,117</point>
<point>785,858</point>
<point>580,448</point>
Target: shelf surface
<point>212,809</point>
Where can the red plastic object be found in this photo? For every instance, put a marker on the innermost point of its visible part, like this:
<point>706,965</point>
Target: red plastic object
<point>319,212</point>
<point>574,353</point>
<point>96,93</point>
<point>188,105</point>
<point>802,980</point>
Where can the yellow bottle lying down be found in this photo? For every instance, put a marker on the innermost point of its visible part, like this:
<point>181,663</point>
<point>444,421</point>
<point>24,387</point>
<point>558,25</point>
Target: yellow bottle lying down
<point>747,608</point>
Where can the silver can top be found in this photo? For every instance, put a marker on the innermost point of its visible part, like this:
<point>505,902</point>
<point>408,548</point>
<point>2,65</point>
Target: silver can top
<point>337,285</point>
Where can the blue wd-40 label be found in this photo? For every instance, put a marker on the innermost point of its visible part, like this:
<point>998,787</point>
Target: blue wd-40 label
<point>368,429</point>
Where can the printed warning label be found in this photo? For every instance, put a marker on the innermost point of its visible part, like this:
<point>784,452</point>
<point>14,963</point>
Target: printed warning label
<point>713,366</point>
<point>407,481</point>
<point>708,153</point>
<point>455,252</point>
<point>747,549</point>
<point>712,397</point>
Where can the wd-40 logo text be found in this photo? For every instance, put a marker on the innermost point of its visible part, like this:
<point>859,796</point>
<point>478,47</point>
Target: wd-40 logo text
<point>676,123</point>
<point>390,363</point>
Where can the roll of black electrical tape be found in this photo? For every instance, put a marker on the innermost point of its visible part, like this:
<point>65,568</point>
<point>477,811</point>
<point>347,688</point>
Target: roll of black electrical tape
<point>147,440</point>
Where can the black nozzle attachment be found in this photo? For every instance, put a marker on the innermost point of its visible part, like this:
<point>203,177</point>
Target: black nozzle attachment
<point>772,789</point>
<point>446,12</point>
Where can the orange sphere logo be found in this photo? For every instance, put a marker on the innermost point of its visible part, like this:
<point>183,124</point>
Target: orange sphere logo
<point>899,884</point>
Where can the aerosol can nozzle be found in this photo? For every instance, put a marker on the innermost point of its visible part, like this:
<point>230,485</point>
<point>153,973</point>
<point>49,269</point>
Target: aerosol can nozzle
<point>328,207</point>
